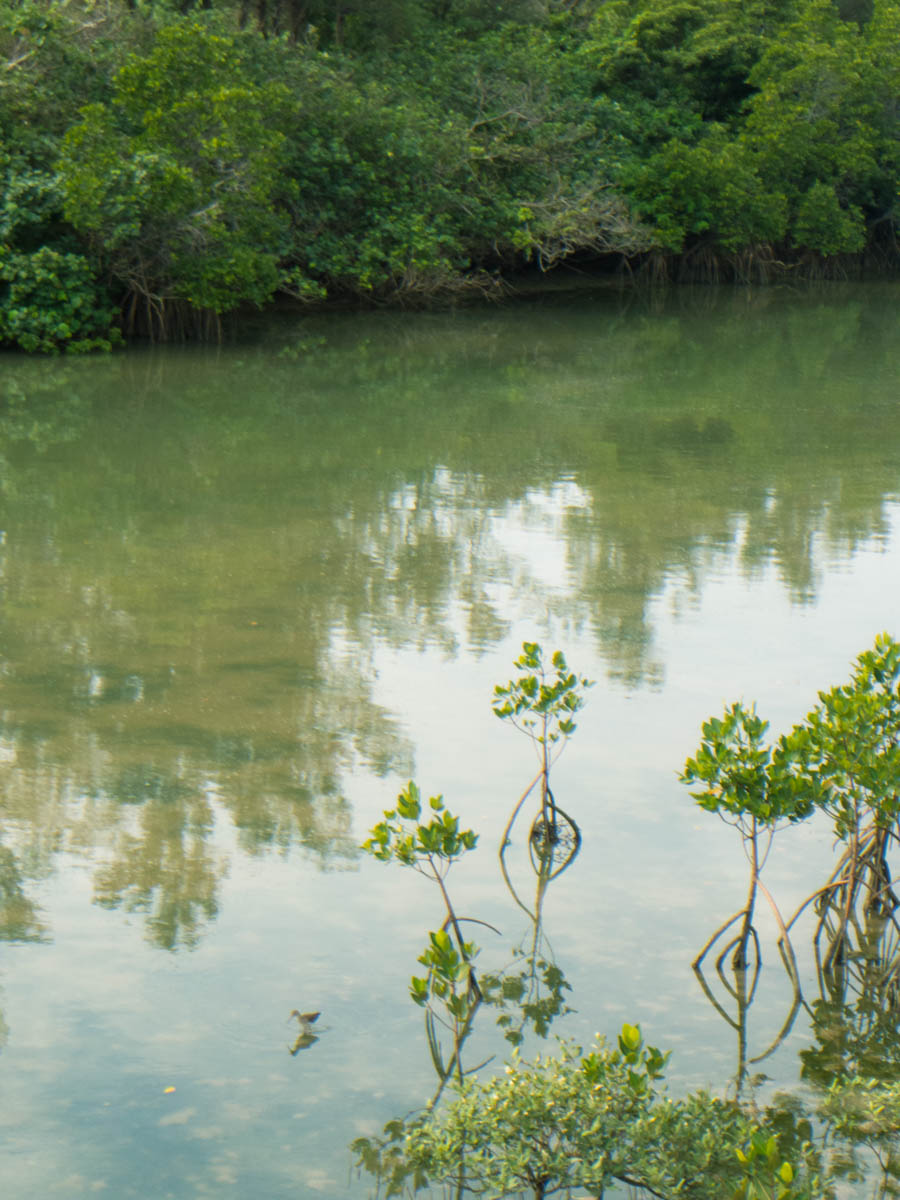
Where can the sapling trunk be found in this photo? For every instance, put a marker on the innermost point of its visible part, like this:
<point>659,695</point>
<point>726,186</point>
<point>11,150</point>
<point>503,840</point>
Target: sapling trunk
<point>851,887</point>
<point>743,1003</point>
<point>460,941</point>
<point>504,842</point>
<point>882,899</point>
<point>548,810</point>
<point>739,962</point>
<point>715,937</point>
<point>445,1074</point>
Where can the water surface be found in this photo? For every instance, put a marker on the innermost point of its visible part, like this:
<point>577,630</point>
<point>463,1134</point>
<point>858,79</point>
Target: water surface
<point>248,592</point>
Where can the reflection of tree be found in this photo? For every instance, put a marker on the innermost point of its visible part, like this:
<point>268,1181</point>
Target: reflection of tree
<point>19,921</point>
<point>160,863</point>
<point>737,988</point>
<point>857,1013</point>
<point>860,1039</point>
<point>855,1067</point>
<point>530,992</point>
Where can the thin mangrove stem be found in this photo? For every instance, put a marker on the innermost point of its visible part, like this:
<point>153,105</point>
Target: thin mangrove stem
<point>715,937</point>
<point>475,921</point>
<point>460,941</point>
<point>784,940</point>
<point>480,1066</point>
<point>719,969</point>
<point>504,841</point>
<point>758,971</point>
<point>785,1029</point>
<point>708,993</point>
<point>639,1185</point>
<point>512,891</point>
<point>830,886</point>
<point>765,855</point>
<point>740,979</point>
<point>459,1042</point>
<point>547,810</point>
<point>788,1025</point>
<point>740,955</point>
<point>852,887</point>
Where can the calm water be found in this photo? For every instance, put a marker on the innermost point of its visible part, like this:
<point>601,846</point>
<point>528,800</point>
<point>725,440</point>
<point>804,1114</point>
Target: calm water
<point>247,593</point>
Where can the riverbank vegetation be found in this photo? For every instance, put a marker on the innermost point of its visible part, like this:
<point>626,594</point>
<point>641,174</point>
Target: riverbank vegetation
<point>164,164</point>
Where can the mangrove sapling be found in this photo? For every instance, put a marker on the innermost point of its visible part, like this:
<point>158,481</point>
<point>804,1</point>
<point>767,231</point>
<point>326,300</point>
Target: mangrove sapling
<point>431,849</point>
<point>752,789</point>
<point>846,755</point>
<point>542,703</point>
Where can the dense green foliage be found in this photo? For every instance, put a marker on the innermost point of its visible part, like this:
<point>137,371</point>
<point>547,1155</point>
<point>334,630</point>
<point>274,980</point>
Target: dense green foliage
<point>583,1121</point>
<point>165,165</point>
<point>842,760</point>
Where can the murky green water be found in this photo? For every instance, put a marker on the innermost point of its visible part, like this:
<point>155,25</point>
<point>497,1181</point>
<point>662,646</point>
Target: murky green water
<point>247,593</point>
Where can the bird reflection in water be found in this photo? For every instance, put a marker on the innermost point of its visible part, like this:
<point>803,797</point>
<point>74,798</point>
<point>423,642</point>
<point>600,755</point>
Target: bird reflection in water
<point>305,1035</point>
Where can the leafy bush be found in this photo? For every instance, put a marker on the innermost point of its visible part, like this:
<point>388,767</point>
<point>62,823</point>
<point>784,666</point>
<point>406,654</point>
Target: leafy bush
<point>711,189</point>
<point>821,223</point>
<point>587,1120</point>
<point>51,301</point>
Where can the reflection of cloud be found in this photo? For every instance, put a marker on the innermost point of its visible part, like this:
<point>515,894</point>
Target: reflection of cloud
<point>80,1185</point>
<point>233,1110</point>
<point>365,1127</point>
<point>181,1117</point>
<point>225,1169</point>
<point>208,1133</point>
<point>319,1181</point>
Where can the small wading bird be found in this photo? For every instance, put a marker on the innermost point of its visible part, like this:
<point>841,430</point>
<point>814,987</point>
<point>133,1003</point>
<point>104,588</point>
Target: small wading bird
<point>305,1036</point>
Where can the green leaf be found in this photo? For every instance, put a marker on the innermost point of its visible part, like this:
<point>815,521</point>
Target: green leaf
<point>630,1038</point>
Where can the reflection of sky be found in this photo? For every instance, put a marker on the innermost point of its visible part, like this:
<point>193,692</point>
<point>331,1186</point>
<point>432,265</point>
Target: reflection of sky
<point>532,529</point>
